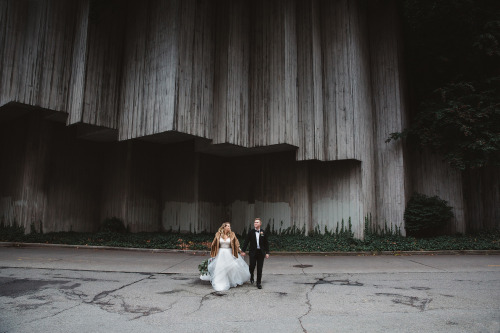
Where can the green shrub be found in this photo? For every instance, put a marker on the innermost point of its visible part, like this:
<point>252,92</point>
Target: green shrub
<point>113,224</point>
<point>10,233</point>
<point>425,216</point>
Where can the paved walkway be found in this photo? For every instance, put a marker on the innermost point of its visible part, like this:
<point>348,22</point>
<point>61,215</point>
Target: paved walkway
<point>60,289</point>
<point>151,261</point>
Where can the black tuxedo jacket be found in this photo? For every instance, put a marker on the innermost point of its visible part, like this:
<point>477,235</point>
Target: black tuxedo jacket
<point>252,240</point>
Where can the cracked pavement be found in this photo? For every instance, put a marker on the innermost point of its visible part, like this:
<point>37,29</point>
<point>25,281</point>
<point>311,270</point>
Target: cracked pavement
<point>63,290</point>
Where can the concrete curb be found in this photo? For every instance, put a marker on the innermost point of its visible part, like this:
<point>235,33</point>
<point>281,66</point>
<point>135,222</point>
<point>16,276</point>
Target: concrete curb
<point>95,247</point>
<point>206,252</point>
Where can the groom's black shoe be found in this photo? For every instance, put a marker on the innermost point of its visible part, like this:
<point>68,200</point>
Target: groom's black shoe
<point>259,286</point>
<point>251,280</point>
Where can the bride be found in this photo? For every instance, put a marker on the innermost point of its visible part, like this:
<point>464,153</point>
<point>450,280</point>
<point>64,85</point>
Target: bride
<point>227,269</point>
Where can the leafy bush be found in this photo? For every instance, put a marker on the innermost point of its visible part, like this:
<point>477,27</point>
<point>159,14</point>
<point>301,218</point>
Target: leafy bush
<point>459,122</point>
<point>113,224</point>
<point>425,215</point>
<point>10,233</point>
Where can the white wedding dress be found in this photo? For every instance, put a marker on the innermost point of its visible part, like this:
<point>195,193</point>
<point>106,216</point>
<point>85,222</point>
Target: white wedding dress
<point>226,271</point>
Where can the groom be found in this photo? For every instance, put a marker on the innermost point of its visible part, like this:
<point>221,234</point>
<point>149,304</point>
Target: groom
<point>259,249</point>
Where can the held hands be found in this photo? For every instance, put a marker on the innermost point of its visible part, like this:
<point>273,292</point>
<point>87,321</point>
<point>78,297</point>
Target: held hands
<point>243,254</point>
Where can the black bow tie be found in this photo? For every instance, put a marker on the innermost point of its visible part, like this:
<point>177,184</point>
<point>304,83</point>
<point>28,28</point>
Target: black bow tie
<point>257,230</point>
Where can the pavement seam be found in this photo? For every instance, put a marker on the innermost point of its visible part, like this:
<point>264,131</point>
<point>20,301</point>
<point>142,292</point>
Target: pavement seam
<point>166,269</point>
<point>439,269</point>
<point>53,315</point>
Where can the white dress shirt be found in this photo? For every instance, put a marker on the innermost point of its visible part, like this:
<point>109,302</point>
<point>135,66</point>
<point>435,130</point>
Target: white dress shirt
<point>257,236</point>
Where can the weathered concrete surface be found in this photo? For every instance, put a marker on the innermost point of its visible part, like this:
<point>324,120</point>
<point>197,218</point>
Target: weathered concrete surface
<point>63,290</point>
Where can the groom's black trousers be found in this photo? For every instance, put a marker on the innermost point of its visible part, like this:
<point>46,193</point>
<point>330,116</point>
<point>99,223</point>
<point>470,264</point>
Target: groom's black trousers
<point>257,258</point>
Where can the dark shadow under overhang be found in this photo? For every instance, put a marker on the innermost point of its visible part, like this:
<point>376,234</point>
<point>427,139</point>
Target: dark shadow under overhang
<point>228,150</point>
<point>14,110</point>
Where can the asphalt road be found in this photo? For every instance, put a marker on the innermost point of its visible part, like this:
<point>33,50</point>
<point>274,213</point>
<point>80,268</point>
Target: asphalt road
<point>80,290</point>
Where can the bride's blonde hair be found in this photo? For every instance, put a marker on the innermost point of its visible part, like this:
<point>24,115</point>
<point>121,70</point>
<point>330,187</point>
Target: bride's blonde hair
<point>221,229</point>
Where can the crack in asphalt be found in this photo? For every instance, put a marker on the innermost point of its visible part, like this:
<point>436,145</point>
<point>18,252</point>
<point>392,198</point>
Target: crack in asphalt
<point>107,292</point>
<point>308,301</point>
<point>105,299</point>
<point>309,305</point>
<point>324,281</point>
<point>142,311</point>
<point>74,294</point>
<point>337,282</point>
<point>219,294</point>
<point>108,305</point>
<point>206,296</point>
<point>413,301</point>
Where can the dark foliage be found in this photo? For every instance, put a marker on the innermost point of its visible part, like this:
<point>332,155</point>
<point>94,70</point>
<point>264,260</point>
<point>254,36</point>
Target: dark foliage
<point>11,233</point>
<point>461,122</point>
<point>294,242</point>
<point>426,216</point>
<point>113,224</point>
<point>453,61</point>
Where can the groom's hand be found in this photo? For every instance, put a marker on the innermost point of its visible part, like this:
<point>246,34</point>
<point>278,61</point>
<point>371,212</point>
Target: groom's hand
<point>267,256</point>
<point>242,253</point>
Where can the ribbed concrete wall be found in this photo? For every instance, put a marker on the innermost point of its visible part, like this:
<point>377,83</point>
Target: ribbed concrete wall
<point>49,178</point>
<point>231,110</point>
<point>22,199</point>
<point>482,199</point>
<point>168,84</point>
<point>389,116</point>
<point>97,63</point>
<point>36,52</point>
<point>181,99</point>
<point>61,183</point>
